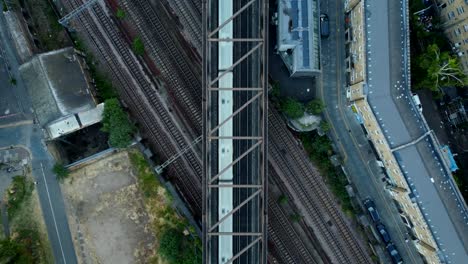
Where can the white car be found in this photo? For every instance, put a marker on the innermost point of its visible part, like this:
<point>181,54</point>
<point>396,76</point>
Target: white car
<point>417,102</point>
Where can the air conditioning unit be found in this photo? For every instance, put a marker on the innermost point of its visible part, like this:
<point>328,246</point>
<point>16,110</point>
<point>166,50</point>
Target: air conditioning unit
<point>457,44</point>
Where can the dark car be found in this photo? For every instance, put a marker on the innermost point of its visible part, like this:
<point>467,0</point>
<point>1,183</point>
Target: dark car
<point>324,26</point>
<point>370,206</point>
<point>383,233</point>
<point>396,258</point>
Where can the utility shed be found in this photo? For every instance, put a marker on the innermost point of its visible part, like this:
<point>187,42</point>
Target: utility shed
<point>57,85</point>
<point>298,36</point>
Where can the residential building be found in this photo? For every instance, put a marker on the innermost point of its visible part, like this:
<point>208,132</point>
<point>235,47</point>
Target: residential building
<point>454,18</point>
<point>298,36</point>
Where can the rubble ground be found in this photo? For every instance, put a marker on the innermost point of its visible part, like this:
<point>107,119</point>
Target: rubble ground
<point>107,216</point>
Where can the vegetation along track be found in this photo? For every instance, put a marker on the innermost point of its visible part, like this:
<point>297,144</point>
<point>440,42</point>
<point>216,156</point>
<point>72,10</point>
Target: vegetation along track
<point>144,101</point>
<point>309,190</point>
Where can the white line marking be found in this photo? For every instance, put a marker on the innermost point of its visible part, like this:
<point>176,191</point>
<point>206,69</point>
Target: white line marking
<point>53,214</point>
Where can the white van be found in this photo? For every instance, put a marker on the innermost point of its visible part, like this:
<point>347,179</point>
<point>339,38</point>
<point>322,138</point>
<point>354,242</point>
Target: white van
<point>417,102</point>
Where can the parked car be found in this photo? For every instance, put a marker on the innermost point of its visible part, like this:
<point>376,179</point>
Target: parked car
<point>394,255</point>
<point>383,233</point>
<point>371,209</point>
<point>417,102</point>
<point>324,26</point>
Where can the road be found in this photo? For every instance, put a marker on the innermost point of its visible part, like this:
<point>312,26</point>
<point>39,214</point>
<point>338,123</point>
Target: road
<point>358,157</point>
<point>18,129</point>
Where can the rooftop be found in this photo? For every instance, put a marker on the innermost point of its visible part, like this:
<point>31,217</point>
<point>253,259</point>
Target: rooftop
<point>298,36</point>
<point>57,85</point>
<point>402,123</point>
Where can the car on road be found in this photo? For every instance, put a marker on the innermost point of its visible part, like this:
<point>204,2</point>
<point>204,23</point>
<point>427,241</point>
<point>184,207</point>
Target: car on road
<point>371,209</point>
<point>324,26</point>
<point>383,233</point>
<point>394,255</point>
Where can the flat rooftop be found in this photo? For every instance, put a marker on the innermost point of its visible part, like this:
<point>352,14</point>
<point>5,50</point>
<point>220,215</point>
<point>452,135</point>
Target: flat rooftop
<point>57,85</point>
<point>298,32</point>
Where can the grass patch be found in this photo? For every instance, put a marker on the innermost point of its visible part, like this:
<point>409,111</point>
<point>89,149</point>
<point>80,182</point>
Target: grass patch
<point>319,150</point>
<point>177,240</point>
<point>28,243</point>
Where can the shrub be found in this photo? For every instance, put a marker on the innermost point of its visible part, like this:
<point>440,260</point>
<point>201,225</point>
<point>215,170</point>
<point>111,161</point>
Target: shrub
<point>60,171</point>
<point>116,123</point>
<point>315,107</point>
<point>325,126</point>
<point>283,199</point>
<point>138,46</point>
<point>292,108</point>
<point>120,14</point>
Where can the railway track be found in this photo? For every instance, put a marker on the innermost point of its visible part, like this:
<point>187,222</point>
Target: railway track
<point>285,237</point>
<point>189,14</point>
<point>308,188</point>
<point>145,103</point>
<point>183,82</point>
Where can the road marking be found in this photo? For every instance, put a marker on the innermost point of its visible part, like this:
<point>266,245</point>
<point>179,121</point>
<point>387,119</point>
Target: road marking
<point>53,214</point>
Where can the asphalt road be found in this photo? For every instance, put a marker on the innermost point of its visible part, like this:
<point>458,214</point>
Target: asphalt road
<point>20,130</point>
<point>359,159</point>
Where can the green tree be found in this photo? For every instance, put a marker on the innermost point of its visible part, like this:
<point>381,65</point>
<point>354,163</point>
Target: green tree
<point>292,108</point>
<point>5,7</point>
<point>120,14</point>
<point>12,81</point>
<point>325,126</point>
<point>315,107</point>
<point>138,46</point>
<point>61,171</point>
<point>116,123</point>
<point>439,69</point>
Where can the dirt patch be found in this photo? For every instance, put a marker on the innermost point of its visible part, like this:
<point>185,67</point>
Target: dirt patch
<point>107,217</point>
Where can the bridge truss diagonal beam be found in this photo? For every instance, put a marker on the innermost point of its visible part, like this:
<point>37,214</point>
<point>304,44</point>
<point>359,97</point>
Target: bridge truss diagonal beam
<point>235,70</point>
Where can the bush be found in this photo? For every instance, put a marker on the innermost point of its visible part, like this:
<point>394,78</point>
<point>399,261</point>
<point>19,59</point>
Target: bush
<point>120,14</point>
<point>138,46</point>
<point>177,248</point>
<point>315,107</point>
<point>325,126</point>
<point>292,108</point>
<point>116,123</point>
<point>60,171</point>
<point>283,199</point>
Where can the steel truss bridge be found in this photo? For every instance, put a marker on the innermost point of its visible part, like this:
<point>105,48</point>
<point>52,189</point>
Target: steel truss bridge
<point>234,135</point>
